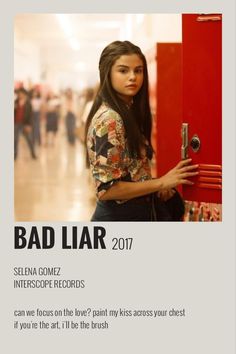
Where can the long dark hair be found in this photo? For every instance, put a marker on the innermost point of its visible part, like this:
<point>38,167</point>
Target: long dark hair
<point>137,119</point>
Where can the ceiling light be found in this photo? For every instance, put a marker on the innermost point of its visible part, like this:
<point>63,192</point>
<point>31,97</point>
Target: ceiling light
<point>107,24</point>
<point>65,24</point>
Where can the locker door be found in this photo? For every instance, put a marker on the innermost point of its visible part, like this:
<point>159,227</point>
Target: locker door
<point>169,106</point>
<point>165,82</point>
<point>202,104</point>
<point>151,57</point>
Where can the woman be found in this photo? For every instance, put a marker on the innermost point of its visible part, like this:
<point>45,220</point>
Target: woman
<point>36,103</point>
<point>119,147</point>
<point>23,121</point>
<point>70,117</point>
<point>52,117</point>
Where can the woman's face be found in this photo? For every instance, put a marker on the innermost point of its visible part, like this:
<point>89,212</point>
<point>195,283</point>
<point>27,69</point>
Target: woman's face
<point>127,76</point>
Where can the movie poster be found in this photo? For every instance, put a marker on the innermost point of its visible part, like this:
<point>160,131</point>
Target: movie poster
<point>145,276</point>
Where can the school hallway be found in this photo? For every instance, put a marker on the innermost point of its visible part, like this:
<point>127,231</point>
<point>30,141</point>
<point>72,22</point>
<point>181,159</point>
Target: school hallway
<point>54,187</point>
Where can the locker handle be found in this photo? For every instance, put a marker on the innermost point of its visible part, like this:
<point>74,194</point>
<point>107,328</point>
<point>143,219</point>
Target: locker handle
<point>208,18</point>
<point>184,147</point>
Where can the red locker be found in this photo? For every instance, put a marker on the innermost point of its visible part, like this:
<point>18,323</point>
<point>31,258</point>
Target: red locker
<point>165,82</point>
<point>202,104</point>
<point>152,73</point>
<point>185,96</point>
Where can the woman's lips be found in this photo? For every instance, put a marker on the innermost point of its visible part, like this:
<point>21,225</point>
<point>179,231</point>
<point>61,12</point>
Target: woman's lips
<point>131,86</point>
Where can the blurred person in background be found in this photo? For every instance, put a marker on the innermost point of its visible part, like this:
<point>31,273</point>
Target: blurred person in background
<point>23,121</point>
<point>89,95</point>
<point>36,102</point>
<point>70,116</point>
<point>118,137</point>
<point>52,117</point>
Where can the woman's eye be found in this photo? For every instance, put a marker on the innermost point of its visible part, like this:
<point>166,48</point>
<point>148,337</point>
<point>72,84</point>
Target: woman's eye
<point>136,71</point>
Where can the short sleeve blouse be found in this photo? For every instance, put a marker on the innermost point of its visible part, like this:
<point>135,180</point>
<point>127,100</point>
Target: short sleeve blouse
<point>108,152</point>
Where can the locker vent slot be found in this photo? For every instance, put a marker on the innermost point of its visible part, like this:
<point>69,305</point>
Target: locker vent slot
<point>210,176</point>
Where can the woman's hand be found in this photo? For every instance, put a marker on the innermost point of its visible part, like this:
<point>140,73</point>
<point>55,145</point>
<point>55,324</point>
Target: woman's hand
<point>179,175</point>
<point>122,190</point>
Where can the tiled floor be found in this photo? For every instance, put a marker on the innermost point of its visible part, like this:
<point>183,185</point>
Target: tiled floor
<point>56,186</point>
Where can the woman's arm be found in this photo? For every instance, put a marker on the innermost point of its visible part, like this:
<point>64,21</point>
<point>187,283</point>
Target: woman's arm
<point>128,190</point>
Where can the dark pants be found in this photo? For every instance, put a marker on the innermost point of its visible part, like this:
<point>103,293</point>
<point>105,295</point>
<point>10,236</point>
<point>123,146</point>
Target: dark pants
<point>146,208</point>
<point>36,135</point>
<point>70,127</point>
<point>19,129</point>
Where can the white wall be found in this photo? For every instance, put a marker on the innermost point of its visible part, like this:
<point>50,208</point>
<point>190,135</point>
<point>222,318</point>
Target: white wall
<point>156,28</point>
<point>26,60</point>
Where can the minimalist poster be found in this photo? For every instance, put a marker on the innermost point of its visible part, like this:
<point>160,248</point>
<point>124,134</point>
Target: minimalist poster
<point>70,284</point>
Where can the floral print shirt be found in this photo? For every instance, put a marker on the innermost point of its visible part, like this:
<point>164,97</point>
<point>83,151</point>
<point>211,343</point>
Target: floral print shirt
<point>108,152</point>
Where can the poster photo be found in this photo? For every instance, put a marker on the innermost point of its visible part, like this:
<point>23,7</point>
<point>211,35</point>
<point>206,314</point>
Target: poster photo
<point>118,177</point>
